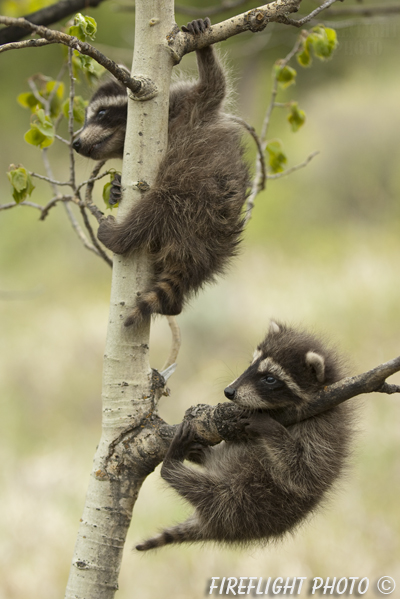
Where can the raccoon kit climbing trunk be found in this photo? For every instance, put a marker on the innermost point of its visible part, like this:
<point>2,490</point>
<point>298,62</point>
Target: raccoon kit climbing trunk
<point>190,221</point>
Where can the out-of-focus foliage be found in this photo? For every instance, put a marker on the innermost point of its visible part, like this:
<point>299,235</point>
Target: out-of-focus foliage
<point>296,117</point>
<point>17,8</point>
<point>21,182</point>
<point>277,158</point>
<point>107,190</point>
<point>322,41</point>
<point>322,249</point>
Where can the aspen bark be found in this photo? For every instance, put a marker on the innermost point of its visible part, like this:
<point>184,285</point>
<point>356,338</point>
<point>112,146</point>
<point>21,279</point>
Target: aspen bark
<point>128,392</point>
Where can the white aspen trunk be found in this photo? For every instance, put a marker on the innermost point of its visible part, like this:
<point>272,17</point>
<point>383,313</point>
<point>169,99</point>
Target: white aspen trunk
<point>127,393</point>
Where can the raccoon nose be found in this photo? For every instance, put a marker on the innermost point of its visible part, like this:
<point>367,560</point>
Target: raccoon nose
<point>230,392</point>
<point>76,144</point>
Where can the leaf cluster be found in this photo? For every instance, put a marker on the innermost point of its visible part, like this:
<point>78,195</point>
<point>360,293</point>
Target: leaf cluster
<point>321,41</point>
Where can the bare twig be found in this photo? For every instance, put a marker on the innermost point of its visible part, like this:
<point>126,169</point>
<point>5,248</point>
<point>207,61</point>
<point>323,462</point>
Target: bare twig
<point>291,170</point>
<point>252,131</point>
<point>59,198</point>
<point>71,119</point>
<point>176,342</point>
<point>299,23</point>
<point>51,181</point>
<point>93,180</point>
<point>89,190</point>
<point>24,203</point>
<point>96,244</point>
<point>26,44</point>
<point>64,141</point>
<point>44,210</point>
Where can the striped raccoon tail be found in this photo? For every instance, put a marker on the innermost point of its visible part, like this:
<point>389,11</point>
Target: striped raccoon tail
<point>165,296</point>
<point>186,532</point>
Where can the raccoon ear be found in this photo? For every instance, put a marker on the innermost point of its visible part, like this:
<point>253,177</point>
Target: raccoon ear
<point>317,363</point>
<point>257,354</point>
<point>273,328</point>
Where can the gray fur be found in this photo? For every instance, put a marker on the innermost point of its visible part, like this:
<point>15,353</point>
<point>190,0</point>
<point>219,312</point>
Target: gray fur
<point>260,488</point>
<point>190,220</point>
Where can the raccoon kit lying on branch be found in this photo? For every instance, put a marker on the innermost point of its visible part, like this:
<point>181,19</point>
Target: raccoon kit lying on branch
<point>190,220</point>
<point>259,488</point>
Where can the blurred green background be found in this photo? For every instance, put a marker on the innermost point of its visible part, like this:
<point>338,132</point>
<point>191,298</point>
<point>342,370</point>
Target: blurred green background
<point>322,249</point>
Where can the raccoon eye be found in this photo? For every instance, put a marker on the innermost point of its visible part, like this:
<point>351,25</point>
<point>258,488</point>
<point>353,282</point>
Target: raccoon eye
<point>271,381</point>
<point>100,113</point>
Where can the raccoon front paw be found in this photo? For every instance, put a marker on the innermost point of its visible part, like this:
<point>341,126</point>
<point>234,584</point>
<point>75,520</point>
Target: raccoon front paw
<point>115,191</point>
<point>107,234</point>
<point>197,26</point>
<point>260,424</point>
<point>197,453</point>
<point>182,443</point>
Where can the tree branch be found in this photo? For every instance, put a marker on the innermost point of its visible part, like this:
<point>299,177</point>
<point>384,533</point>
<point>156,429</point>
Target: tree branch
<point>215,423</point>
<point>137,86</point>
<point>222,422</point>
<point>254,20</point>
<point>46,16</point>
<point>285,20</point>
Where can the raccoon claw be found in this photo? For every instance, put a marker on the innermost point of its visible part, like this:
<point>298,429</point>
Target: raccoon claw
<point>115,191</point>
<point>197,453</point>
<point>182,442</point>
<point>197,26</point>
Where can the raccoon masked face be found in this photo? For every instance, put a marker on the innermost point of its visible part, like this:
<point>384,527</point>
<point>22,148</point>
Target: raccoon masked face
<point>285,371</point>
<point>103,133</point>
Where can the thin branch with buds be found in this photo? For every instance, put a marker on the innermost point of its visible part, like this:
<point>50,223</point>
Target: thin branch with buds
<point>299,23</point>
<point>260,176</point>
<point>295,168</point>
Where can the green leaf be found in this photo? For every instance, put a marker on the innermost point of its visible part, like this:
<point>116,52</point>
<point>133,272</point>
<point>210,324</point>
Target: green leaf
<point>322,40</point>
<point>57,97</point>
<point>106,192</point>
<point>21,182</point>
<point>28,100</point>
<point>285,75</point>
<point>36,138</point>
<point>304,58</point>
<point>296,117</point>
<point>42,132</point>
<point>78,107</point>
<point>83,27</point>
<point>277,157</point>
